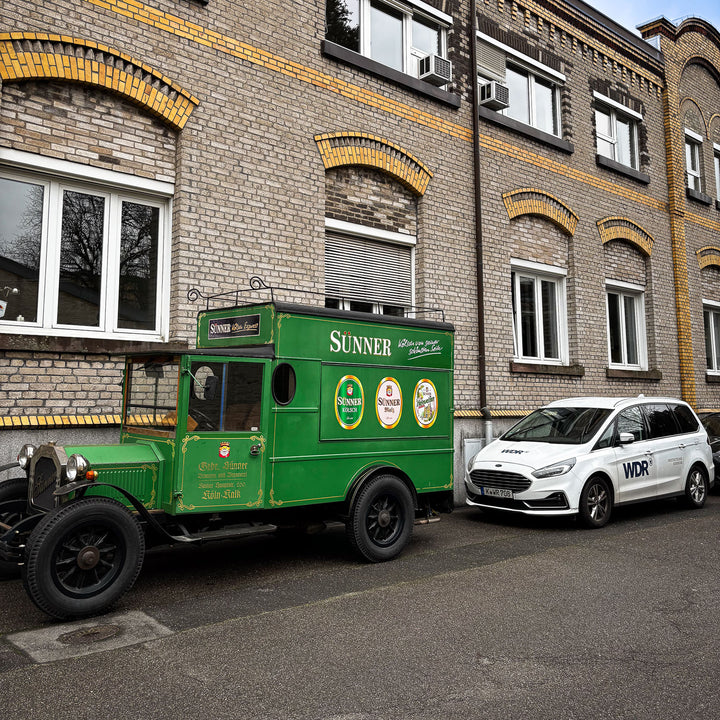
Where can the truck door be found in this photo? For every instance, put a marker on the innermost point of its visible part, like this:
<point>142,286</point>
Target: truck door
<point>223,451</point>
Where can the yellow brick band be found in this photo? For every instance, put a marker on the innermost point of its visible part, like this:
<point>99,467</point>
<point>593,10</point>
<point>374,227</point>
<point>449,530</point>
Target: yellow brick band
<point>28,55</point>
<point>57,421</point>
<point>622,228</point>
<point>349,148</point>
<point>530,201</point>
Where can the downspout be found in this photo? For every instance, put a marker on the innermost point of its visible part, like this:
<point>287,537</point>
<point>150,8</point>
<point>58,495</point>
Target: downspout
<point>478,207</point>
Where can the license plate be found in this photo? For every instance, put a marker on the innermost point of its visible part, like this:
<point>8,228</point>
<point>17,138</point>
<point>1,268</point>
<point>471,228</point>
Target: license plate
<point>497,492</point>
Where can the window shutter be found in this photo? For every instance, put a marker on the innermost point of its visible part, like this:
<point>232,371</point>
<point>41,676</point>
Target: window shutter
<point>492,60</point>
<point>368,270</point>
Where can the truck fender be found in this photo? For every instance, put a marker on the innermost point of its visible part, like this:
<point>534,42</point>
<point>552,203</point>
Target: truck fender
<point>371,472</point>
<point>80,488</point>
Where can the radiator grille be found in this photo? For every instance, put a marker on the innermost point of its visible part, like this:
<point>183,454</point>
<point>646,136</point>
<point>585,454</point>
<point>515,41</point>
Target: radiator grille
<point>500,479</point>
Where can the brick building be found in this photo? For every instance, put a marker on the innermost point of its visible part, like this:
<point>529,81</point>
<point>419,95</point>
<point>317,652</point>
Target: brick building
<point>147,148</point>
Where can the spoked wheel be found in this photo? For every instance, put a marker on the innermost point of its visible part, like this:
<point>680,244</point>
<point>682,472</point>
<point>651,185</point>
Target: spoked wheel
<point>13,508</point>
<point>595,503</point>
<point>696,489</point>
<point>381,519</point>
<point>83,557</point>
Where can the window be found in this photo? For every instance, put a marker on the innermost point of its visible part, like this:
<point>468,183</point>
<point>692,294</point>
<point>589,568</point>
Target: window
<point>616,132</point>
<point>711,316</point>
<point>368,270</point>
<point>87,258</point>
<point>716,160</point>
<point>626,327</point>
<point>533,88</point>
<point>395,34</point>
<point>693,173</point>
<point>539,313</point>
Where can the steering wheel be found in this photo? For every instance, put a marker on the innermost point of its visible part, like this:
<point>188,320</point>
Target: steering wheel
<point>203,421</point>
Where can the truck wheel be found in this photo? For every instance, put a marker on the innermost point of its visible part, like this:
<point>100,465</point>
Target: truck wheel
<point>13,508</point>
<point>381,518</point>
<point>83,557</point>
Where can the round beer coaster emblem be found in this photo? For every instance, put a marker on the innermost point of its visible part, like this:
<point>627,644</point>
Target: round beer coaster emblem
<point>349,402</point>
<point>425,402</point>
<point>388,402</point>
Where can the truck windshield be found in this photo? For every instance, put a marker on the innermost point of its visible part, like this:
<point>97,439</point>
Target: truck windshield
<point>151,393</point>
<point>564,425</point>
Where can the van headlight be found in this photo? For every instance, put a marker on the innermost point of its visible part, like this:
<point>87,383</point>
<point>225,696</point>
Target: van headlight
<point>25,455</point>
<point>76,466</point>
<point>555,470</point>
<point>470,464</point>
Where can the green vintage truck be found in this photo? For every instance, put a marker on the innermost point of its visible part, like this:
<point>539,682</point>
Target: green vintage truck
<point>283,414</point>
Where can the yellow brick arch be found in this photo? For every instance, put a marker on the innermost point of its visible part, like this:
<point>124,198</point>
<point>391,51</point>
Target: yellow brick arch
<point>616,227</point>
<point>708,255</point>
<point>43,56</point>
<point>532,201</point>
<point>354,148</point>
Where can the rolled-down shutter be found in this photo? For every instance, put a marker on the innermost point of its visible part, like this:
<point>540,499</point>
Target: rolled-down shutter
<point>368,270</point>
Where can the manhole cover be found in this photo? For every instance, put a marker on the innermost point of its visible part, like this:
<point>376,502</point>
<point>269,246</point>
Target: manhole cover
<point>89,635</point>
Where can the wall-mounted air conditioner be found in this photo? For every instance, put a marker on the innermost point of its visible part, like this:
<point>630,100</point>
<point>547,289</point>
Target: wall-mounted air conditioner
<point>494,96</point>
<point>435,69</point>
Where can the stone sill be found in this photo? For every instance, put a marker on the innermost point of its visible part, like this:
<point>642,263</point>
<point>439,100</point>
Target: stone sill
<point>698,196</point>
<point>523,129</point>
<point>541,369</point>
<point>83,346</point>
<point>639,375</point>
<point>621,169</point>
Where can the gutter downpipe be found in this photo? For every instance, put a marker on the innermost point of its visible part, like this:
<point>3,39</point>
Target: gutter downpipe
<point>478,215</point>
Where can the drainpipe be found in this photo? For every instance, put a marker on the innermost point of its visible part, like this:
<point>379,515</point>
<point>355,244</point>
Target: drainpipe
<point>478,207</point>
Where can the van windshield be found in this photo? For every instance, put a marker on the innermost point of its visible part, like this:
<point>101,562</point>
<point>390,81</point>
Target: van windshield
<point>562,425</point>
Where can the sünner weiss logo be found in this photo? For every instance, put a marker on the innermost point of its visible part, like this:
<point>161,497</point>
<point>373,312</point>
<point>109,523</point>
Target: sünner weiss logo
<point>359,344</point>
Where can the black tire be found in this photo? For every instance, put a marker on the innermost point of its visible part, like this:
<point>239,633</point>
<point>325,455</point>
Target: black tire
<point>595,503</point>
<point>696,488</point>
<point>83,557</point>
<point>381,519</point>
<point>13,508</point>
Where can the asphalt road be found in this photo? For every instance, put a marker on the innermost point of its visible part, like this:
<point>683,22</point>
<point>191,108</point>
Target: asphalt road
<point>479,618</point>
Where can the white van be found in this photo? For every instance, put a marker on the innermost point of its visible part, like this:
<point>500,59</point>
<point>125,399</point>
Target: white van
<point>585,455</point>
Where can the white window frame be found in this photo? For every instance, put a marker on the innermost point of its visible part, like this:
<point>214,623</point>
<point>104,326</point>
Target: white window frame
<point>540,272</point>
<point>58,176</point>
<point>413,8</point>
<point>716,162</point>
<point>535,70</point>
<point>712,341</point>
<point>637,292</point>
<point>693,176</point>
<point>615,110</point>
<point>381,236</point>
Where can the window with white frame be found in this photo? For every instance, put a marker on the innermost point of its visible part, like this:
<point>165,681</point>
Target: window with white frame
<point>716,161</point>
<point>626,326</point>
<point>533,87</point>
<point>83,251</point>
<point>616,129</point>
<point>396,34</point>
<point>693,172</point>
<point>711,318</point>
<point>539,313</point>
<point>368,270</point>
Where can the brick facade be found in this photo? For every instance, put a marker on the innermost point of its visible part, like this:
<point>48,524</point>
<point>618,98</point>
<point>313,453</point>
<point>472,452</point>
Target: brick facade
<point>263,131</point>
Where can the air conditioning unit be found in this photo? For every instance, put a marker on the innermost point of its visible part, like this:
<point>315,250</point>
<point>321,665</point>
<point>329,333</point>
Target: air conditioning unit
<point>494,96</point>
<point>435,69</point>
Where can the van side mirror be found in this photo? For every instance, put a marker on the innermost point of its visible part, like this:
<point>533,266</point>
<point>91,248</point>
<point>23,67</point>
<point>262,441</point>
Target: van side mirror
<point>210,388</point>
<point>626,438</point>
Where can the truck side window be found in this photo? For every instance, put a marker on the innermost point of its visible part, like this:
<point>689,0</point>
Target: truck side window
<point>243,391</point>
<point>283,384</point>
<point>205,396</point>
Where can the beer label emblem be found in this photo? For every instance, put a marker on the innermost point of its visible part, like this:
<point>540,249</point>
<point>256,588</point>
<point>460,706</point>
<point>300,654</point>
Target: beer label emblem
<point>426,404</point>
<point>388,403</point>
<point>224,449</point>
<point>349,402</point>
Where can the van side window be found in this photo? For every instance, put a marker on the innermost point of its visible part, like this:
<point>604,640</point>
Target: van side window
<point>685,419</point>
<point>661,420</point>
<point>607,438</point>
<point>632,420</point>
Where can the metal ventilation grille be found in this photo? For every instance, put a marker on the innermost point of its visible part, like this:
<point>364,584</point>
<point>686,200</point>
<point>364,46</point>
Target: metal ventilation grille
<point>499,479</point>
<point>491,60</point>
<point>368,270</point>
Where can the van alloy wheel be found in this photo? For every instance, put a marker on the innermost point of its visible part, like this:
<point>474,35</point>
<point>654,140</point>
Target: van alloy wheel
<point>695,488</point>
<point>595,503</point>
